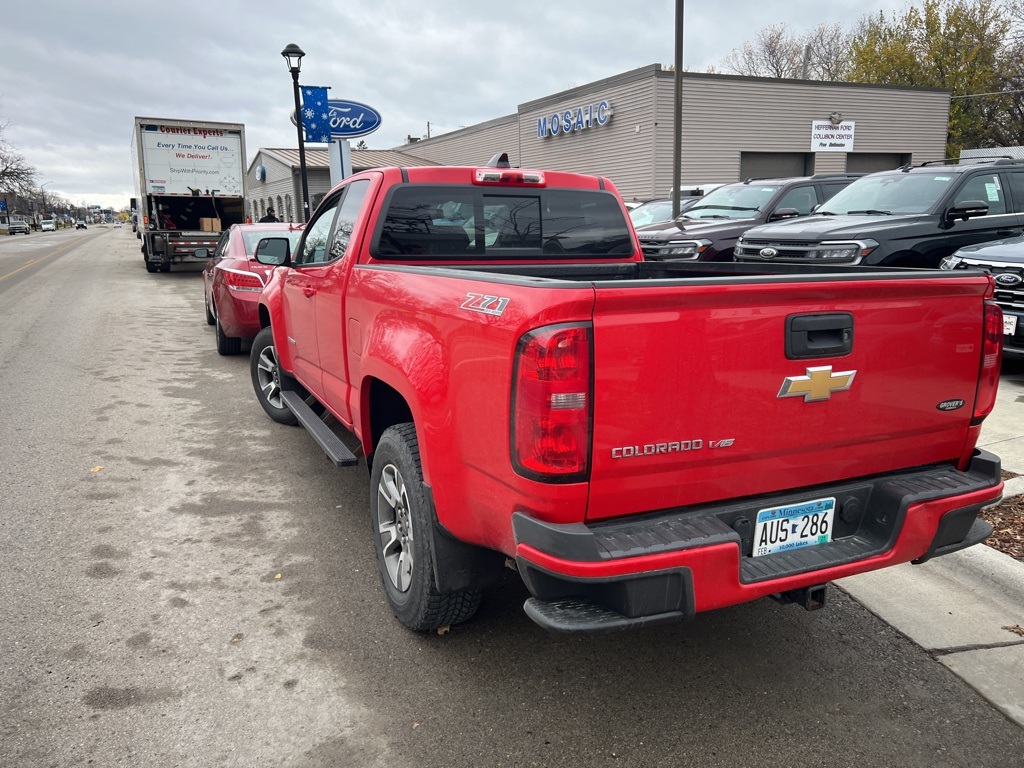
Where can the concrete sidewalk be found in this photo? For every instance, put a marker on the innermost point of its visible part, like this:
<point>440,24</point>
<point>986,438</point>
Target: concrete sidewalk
<point>967,608</point>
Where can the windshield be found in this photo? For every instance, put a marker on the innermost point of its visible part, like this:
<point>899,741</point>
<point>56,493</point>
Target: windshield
<point>890,193</point>
<point>654,212</point>
<point>734,201</point>
<point>252,239</point>
<point>502,223</point>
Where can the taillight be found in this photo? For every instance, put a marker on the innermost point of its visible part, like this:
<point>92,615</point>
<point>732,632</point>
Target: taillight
<point>243,281</point>
<point>991,358</point>
<point>551,404</point>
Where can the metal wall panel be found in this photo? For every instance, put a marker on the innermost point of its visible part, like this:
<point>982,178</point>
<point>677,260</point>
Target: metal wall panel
<point>621,150</point>
<point>723,116</point>
<point>471,146</point>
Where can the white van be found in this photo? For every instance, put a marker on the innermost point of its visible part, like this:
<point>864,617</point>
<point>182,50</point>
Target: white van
<point>48,225</point>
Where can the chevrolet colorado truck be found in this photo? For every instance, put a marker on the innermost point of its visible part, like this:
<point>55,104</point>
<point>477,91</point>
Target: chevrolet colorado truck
<point>527,390</point>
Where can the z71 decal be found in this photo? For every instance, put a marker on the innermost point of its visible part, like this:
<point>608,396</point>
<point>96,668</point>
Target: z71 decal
<point>488,305</point>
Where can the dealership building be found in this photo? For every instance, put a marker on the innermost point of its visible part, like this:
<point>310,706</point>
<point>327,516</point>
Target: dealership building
<point>733,128</point>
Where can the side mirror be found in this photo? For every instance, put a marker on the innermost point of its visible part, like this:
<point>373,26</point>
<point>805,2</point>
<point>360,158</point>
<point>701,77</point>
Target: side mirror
<point>202,253</point>
<point>967,209</point>
<point>783,213</point>
<point>274,251</point>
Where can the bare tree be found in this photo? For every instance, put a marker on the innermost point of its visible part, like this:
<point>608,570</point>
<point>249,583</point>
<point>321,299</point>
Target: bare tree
<point>827,52</point>
<point>777,52</point>
<point>16,175</point>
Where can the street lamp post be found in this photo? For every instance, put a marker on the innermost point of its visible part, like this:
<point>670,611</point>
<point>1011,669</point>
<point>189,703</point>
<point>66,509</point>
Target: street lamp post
<point>293,55</point>
<point>42,194</point>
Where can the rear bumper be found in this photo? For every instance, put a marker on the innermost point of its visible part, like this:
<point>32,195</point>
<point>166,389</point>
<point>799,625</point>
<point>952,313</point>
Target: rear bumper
<point>676,563</point>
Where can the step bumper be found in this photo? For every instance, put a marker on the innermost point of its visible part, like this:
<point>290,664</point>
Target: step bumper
<point>675,563</point>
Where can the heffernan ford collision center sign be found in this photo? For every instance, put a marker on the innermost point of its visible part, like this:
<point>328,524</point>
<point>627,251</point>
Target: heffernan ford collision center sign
<point>826,137</point>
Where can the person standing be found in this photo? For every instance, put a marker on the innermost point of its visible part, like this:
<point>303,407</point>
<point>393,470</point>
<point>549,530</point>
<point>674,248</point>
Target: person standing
<point>270,217</point>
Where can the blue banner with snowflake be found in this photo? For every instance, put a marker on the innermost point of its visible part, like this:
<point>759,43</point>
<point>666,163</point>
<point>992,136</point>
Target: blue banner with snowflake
<point>316,117</point>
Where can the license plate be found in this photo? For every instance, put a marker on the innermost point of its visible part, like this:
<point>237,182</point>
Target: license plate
<point>780,529</point>
<point>1009,324</point>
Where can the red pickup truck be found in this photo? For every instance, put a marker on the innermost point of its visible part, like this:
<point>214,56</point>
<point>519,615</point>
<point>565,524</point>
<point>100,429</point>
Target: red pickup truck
<point>644,440</point>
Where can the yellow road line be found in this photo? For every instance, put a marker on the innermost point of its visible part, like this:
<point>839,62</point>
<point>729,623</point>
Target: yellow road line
<point>42,258</point>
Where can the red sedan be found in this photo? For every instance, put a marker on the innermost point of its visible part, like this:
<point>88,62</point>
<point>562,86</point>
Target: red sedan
<point>233,281</point>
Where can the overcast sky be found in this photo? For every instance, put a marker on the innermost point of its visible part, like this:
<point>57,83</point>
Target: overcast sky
<point>76,73</point>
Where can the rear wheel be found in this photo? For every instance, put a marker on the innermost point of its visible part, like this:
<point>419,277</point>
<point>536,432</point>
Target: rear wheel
<point>268,378</point>
<point>226,345</point>
<point>210,319</point>
<point>401,538</point>
<point>150,266</point>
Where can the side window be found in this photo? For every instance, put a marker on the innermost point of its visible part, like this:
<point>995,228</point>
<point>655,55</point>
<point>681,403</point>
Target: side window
<point>1017,189</point>
<point>802,198</point>
<point>314,247</point>
<point>986,188</point>
<point>347,214</point>
<point>828,190</point>
<point>222,245</point>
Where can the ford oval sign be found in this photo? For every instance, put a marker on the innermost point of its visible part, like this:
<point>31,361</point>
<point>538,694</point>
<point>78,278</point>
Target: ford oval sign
<point>350,119</point>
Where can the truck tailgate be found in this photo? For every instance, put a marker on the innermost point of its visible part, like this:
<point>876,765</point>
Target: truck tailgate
<point>697,400</point>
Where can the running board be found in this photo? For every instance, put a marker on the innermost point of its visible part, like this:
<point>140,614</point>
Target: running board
<point>336,450</point>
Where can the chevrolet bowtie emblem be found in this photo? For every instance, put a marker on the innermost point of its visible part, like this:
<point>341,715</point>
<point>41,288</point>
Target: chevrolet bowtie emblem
<point>818,384</point>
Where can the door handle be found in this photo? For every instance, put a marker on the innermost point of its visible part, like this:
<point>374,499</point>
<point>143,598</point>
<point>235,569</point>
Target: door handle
<point>1008,232</point>
<point>308,292</point>
<point>827,334</point>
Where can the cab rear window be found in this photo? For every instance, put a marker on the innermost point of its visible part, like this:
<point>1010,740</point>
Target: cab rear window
<point>474,223</point>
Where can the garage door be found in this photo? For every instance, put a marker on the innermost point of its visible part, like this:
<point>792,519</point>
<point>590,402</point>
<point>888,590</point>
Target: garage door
<point>869,162</point>
<point>771,165</point>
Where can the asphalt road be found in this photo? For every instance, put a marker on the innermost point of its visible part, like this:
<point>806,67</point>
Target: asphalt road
<point>186,583</point>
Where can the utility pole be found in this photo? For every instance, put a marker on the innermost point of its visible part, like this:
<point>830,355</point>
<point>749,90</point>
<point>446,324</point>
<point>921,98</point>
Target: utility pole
<point>677,122</point>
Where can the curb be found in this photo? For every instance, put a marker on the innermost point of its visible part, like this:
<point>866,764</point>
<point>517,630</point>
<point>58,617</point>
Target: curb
<point>1013,487</point>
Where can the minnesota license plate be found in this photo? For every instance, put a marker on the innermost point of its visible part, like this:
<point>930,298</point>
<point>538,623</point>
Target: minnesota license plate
<point>779,529</point>
<point>1009,324</point>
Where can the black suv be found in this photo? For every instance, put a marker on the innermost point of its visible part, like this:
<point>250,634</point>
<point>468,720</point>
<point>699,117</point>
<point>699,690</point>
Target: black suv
<point>909,217</point>
<point>707,231</point>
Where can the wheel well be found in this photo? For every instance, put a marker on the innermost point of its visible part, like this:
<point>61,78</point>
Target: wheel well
<point>264,317</point>
<point>387,408</point>
<point>906,259</point>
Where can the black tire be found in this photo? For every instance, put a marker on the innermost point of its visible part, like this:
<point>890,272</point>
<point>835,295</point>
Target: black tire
<point>226,345</point>
<point>165,267</point>
<point>401,538</point>
<point>210,319</point>
<point>267,378</point>
<point>150,266</point>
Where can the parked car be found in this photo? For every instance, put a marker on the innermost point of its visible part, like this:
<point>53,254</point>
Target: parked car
<point>1004,260</point>
<point>708,230</point>
<point>233,280</point>
<point>909,217</point>
<point>80,225</point>
<point>18,228</point>
<point>660,210</point>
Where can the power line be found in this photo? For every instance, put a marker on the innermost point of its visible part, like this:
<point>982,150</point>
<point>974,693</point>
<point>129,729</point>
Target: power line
<point>979,95</point>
